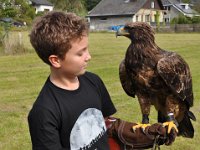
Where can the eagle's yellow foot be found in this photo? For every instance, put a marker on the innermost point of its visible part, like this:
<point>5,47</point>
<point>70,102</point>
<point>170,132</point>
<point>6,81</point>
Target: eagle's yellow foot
<point>170,125</point>
<point>140,125</point>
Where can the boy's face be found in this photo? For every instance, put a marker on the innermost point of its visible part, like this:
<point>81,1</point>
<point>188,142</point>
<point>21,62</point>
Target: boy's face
<point>77,58</point>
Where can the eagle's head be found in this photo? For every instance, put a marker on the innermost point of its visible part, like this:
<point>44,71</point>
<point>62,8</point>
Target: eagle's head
<point>137,32</point>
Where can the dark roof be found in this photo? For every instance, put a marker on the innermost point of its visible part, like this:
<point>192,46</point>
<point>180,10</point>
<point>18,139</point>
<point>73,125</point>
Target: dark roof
<point>41,2</point>
<point>169,2</point>
<point>117,7</point>
<point>178,5</point>
<point>187,11</point>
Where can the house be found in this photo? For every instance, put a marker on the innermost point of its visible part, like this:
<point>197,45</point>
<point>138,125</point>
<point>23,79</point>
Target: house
<point>174,8</point>
<point>117,12</point>
<point>41,5</point>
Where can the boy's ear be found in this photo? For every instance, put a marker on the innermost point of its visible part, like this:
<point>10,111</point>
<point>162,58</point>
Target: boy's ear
<point>55,61</point>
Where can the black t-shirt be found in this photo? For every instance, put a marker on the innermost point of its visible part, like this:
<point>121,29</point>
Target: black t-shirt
<point>71,120</point>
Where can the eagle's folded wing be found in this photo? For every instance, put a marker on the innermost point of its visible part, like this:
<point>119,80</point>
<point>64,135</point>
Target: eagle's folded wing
<point>176,74</point>
<point>125,80</point>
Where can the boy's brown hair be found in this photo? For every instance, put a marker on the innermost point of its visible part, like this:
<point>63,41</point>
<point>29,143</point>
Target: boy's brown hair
<point>53,33</point>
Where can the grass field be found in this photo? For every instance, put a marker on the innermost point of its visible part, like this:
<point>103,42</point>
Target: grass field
<point>22,76</point>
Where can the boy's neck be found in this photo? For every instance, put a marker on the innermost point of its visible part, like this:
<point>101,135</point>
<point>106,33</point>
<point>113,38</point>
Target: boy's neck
<point>64,82</point>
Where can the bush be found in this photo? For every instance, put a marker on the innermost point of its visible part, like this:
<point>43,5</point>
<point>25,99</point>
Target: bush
<point>185,20</point>
<point>1,35</point>
<point>40,13</point>
<point>25,19</point>
<point>196,20</point>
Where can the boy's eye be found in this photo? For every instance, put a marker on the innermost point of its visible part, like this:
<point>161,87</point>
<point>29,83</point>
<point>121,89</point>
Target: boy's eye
<point>80,54</point>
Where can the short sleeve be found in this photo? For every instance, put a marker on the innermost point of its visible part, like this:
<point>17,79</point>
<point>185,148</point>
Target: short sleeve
<point>108,107</point>
<point>43,127</point>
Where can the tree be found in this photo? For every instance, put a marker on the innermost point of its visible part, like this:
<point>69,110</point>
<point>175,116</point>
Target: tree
<point>26,11</point>
<point>90,4</point>
<point>7,8</point>
<point>186,1</point>
<point>17,9</point>
<point>197,7</point>
<point>76,6</point>
<point>80,7</point>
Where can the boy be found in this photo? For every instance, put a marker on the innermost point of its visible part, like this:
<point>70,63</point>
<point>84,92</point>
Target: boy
<point>67,112</point>
<point>70,109</point>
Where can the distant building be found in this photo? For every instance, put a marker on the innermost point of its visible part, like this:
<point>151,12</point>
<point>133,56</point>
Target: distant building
<point>117,12</point>
<point>41,5</point>
<point>174,8</point>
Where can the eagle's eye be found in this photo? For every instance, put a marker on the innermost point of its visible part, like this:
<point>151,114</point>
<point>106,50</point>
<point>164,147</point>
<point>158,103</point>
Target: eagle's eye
<point>127,28</point>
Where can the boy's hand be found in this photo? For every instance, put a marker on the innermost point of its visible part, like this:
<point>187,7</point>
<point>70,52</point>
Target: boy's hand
<point>171,137</point>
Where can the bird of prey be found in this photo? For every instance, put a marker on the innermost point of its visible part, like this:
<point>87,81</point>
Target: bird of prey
<point>157,77</point>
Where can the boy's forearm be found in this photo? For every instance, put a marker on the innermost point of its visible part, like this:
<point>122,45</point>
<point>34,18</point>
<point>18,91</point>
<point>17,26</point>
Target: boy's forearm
<point>122,132</point>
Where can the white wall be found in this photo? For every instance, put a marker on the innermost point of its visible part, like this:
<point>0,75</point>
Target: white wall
<point>147,12</point>
<point>43,8</point>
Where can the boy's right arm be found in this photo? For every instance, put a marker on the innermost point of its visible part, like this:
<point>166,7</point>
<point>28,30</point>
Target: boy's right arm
<point>43,127</point>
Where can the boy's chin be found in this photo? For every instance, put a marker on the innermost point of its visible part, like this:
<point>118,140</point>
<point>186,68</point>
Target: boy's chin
<point>82,72</point>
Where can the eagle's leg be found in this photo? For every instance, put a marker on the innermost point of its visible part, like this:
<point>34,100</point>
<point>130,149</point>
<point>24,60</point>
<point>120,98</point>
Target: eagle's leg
<point>145,108</point>
<point>171,123</point>
<point>171,106</point>
<point>145,119</point>
<point>144,124</point>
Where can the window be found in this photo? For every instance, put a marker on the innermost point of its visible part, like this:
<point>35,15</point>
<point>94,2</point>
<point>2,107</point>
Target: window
<point>103,19</point>
<point>46,10</point>
<point>147,18</point>
<point>152,4</point>
<point>136,18</point>
<point>167,20</point>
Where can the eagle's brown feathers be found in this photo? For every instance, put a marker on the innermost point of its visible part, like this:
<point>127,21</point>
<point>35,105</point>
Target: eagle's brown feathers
<point>157,77</point>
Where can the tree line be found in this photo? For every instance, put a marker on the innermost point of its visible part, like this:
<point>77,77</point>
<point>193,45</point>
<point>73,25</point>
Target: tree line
<point>77,6</point>
<point>21,10</point>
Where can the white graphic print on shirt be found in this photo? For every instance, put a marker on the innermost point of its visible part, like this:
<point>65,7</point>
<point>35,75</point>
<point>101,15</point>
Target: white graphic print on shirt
<point>87,130</point>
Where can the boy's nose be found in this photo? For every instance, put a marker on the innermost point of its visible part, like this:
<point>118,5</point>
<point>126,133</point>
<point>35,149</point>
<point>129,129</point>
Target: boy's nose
<point>88,57</point>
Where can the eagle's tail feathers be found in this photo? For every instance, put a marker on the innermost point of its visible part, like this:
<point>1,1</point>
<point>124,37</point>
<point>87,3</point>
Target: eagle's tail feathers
<point>185,127</point>
<point>191,116</point>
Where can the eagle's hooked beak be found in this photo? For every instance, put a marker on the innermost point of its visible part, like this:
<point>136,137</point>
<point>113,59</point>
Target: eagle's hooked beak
<point>122,32</point>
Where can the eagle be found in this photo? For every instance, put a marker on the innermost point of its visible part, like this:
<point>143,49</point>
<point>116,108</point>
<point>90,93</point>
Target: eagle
<point>157,77</point>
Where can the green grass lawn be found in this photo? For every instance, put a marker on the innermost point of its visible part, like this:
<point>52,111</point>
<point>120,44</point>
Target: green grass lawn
<point>22,77</point>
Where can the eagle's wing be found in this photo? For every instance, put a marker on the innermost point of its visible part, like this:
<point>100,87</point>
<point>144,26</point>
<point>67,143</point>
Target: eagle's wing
<point>126,82</point>
<point>176,74</point>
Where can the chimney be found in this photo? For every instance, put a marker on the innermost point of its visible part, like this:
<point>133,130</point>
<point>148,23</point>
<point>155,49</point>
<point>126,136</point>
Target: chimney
<point>126,1</point>
<point>186,6</point>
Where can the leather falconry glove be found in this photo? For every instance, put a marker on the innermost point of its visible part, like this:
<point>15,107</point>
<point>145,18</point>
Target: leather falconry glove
<point>122,137</point>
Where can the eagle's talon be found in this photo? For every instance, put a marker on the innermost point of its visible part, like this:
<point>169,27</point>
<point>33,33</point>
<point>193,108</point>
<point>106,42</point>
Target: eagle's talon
<point>139,125</point>
<point>170,125</point>
<point>133,129</point>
